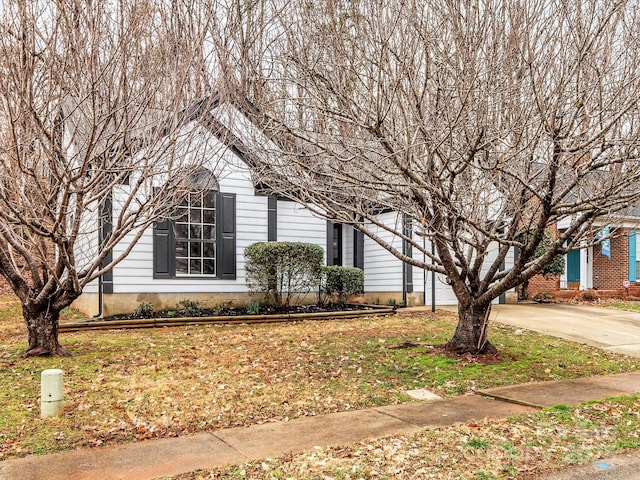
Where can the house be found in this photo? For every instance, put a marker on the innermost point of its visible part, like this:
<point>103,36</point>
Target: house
<point>609,267</point>
<point>200,255</point>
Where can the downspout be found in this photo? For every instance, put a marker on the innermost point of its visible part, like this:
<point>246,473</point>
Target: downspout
<point>424,271</point>
<point>433,277</point>
<point>502,298</point>
<point>404,284</point>
<point>100,300</point>
<point>407,269</point>
<point>105,220</point>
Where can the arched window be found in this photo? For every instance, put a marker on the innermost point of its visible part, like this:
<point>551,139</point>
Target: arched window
<point>200,239</point>
<point>195,228</point>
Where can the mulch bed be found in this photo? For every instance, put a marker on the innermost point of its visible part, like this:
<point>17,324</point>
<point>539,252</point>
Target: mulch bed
<point>238,311</point>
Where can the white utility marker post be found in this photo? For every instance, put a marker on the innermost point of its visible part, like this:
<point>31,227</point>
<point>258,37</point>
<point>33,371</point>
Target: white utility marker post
<point>51,396</point>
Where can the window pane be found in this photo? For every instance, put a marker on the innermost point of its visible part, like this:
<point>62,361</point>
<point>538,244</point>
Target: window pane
<point>195,232</point>
<point>209,216</point>
<point>181,249</point>
<point>209,200</point>
<point>196,215</point>
<point>195,249</point>
<point>196,199</point>
<point>183,215</point>
<point>209,232</point>
<point>182,230</point>
<point>182,266</point>
<point>196,267</point>
<point>209,250</point>
<point>209,267</point>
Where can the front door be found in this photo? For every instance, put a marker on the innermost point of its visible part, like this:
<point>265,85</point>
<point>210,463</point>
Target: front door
<point>334,243</point>
<point>573,269</point>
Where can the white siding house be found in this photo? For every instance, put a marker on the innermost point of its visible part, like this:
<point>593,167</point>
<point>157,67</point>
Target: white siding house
<point>165,267</point>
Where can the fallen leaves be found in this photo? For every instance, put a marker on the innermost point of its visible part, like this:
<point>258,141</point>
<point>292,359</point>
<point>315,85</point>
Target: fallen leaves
<point>518,448</point>
<point>128,386</point>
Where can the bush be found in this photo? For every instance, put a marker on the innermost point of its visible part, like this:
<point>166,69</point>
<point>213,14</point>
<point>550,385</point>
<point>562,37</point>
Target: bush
<point>253,307</point>
<point>144,310</point>
<point>343,282</point>
<point>544,296</point>
<point>282,270</point>
<point>589,296</point>
<point>189,308</point>
<point>557,263</point>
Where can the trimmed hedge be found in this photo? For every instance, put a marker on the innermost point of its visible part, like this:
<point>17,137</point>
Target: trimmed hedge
<point>343,282</point>
<point>282,270</point>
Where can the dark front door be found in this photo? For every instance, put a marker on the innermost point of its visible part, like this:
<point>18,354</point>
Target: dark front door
<point>573,269</point>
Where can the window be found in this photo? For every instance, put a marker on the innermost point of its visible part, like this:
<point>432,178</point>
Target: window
<point>200,240</point>
<point>337,244</point>
<point>334,243</point>
<point>195,234</point>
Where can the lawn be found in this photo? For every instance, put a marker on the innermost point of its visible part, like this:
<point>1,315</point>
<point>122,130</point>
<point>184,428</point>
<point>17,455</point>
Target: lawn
<point>124,386</point>
<point>523,447</point>
<point>629,305</point>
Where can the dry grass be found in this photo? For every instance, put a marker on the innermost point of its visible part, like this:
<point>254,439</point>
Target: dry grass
<point>124,386</point>
<point>522,447</point>
<point>628,305</point>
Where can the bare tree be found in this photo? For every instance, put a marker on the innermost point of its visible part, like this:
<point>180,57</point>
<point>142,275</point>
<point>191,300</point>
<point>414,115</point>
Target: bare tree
<point>480,124</point>
<point>96,128</point>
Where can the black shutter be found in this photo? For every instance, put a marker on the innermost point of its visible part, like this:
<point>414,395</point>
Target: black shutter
<point>358,249</point>
<point>407,249</point>
<point>330,253</point>
<point>164,246</point>
<point>272,218</point>
<point>226,235</point>
<point>106,225</point>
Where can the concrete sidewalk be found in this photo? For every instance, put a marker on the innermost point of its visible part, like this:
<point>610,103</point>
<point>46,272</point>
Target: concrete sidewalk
<point>167,457</point>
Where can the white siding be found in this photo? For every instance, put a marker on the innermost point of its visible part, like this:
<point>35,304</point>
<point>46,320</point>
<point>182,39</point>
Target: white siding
<point>492,253</point>
<point>347,245</point>
<point>86,245</point>
<point>382,271</point>
<point>443,293</point>
<point>135,273</point>
<point>297,224</point>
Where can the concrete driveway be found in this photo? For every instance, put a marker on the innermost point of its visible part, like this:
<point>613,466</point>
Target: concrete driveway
<point>612,330</point>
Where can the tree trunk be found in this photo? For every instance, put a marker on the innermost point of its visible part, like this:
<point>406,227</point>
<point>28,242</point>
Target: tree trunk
<point>471,333</point>
<point>42,325</point>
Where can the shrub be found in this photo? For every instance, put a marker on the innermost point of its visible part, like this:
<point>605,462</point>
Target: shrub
<point>589,296</point>
<point>144,310</point>
<point>189,308</point>
<point>282,270</point>
<point>253,307</point>
<point>556,264</point>
<point>543,296</point>
<point>343,282</point>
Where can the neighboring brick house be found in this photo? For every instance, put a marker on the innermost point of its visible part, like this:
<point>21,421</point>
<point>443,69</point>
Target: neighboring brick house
<point>590,269</point>
<point>543,283</point>
<point>609,274</point>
